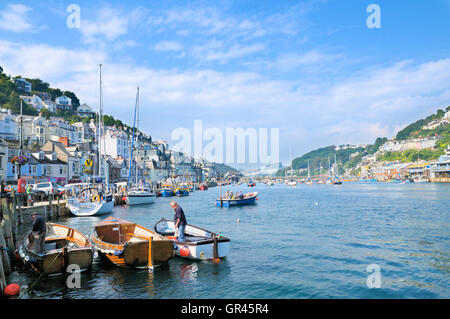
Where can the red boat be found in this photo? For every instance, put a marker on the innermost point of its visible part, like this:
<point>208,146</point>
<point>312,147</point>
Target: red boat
<point>203,187</point>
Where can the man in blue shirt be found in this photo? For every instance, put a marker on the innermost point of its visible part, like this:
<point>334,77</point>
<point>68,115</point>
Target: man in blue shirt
<point>179,219</point>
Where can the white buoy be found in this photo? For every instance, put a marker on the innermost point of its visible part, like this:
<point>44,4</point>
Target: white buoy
<point>316,203</point>
<point>238,220</point>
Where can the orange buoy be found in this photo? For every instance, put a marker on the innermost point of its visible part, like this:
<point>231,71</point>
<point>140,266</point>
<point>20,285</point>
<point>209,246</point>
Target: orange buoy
<point>184,252</point>
<point>11,290</point>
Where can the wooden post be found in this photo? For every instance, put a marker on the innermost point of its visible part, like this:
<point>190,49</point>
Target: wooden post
<point>19,212</point>
<point>58,213</point>
<point>4,253</point>
<point>150,263</point>
<point>2,276</point>
<point>7,227</point>
<point>50,205</point>
<point>13,210</point>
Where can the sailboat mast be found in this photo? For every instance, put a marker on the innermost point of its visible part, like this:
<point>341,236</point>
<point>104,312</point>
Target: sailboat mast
<point>100,116</point>
<point>132,137</point>
<point>137,132</point>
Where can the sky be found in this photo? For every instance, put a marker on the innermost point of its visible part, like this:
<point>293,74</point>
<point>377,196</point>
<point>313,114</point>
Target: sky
<point>313,69</point>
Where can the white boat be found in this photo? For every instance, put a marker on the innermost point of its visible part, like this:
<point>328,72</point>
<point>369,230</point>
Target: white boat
<point>292,183</point>
<point>140,196</point>
<point>90,202</point>
<point>200,244</point>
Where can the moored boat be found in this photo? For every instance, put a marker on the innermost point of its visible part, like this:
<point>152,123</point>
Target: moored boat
<point>181,192</point>
<point>140,196</point>
<point>166,191</point>
<point>200,244</point>
<point>247,199</point>
<point>64,246</point>
<point>203,187</point>
<point>126,244</point>
<point>90,202</point>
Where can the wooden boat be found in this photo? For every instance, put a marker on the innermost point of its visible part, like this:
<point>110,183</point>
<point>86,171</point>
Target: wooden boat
<point>126,244</point>
<point>140,196</point>
<point>64,246</point>
<point>248,199</point>
<point>181,192</point>
<point>90,203</point>
<point>200,244</point>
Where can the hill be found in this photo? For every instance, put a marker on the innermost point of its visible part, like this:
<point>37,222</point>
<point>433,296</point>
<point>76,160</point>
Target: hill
<point>351,157</point>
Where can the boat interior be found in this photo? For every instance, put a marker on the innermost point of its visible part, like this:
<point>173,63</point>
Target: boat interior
<point>119,232</point>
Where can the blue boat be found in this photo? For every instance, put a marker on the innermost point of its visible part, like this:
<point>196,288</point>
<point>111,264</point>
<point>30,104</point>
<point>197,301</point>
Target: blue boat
<point>249,199</point>
<point>181,192</point>
<point>166,191</point>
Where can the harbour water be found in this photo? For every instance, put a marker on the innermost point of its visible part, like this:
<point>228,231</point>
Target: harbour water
<point>308,241</point>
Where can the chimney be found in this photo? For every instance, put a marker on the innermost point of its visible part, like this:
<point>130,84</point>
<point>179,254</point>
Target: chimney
<point>64,140</point>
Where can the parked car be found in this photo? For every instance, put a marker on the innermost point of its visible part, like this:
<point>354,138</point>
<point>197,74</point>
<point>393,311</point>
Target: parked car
<point>47,187</point>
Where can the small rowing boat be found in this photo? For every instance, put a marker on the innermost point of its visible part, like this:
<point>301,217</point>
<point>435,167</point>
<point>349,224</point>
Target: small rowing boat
<point>200,244</point>
<point>64,246</point>
<point>247,199</point>
<point>126,244</point>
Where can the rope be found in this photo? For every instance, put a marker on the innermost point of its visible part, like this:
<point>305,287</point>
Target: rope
<point>40,277</point>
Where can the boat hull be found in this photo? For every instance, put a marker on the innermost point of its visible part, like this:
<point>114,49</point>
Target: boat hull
<point>166,193</point>
<point>236,202</point>
<point>90,208</point>
<point>128,245</point>
<point>57,256</point>
<point>200,244</point>
<point>140,199</point>
<point>181,192</point>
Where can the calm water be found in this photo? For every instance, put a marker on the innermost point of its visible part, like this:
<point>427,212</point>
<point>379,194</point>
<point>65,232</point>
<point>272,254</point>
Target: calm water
<point>311,241</point>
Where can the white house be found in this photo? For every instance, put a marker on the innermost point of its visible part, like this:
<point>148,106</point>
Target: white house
<point>35,101</point>
<point>59,128</point>
<point>85,110</point>
<point>7,126</point>
<point>115,143</point>
<point>63,102</point>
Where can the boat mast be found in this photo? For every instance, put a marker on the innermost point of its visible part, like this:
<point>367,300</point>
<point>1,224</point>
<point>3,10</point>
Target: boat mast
<point>132,137</point>
<point>137,133</point>
<point>100,115</point>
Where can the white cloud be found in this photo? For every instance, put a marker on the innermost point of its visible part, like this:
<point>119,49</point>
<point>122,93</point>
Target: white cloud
<point>356,108</point>
<point>109,24</point>
<point>15,18</point>
<point>168,46</point>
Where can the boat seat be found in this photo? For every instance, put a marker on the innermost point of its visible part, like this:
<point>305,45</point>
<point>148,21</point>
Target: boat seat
<point>136,240</point>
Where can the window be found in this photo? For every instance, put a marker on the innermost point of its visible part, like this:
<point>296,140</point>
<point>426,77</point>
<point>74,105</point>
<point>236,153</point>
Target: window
<point>60,170</point>
<point>14,169</point>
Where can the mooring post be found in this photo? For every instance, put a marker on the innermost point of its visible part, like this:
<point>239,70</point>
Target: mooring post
<point>4,252</point>
<point>19,212</point>
<point>7,227</point>
<point>58,213</point>
<point>2,276</point>
<point>50,205</point>
<point>13,210</point>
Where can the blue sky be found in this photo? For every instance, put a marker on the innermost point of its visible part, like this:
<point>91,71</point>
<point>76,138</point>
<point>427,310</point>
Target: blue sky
<point>311,68</point>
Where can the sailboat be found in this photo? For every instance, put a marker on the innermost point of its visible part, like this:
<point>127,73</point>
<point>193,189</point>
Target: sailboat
<point>93,201</point>
<point>336,180</point>
<point>309,181</point>
<point>291,181</point>
<point>137,195</point>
